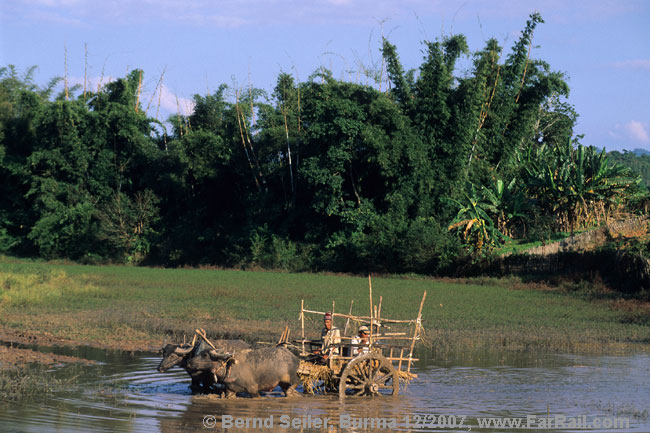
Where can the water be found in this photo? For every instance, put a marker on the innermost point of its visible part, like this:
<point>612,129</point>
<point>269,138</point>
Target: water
<point>125,393</point>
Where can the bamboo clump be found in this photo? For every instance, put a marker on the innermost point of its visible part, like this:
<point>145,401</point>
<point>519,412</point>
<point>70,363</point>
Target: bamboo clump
<point>246,143</point>
<point>137,101</point>
<point>158,89</point>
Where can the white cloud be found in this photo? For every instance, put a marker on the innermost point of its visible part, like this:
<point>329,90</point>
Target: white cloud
<point>633,133</point>
<point>633,64</point>
<point>637,131</point>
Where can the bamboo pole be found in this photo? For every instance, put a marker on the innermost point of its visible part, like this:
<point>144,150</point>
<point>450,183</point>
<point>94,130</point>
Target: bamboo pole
<point>379,308</point>
<point>286,131</point>
<point>417,329</point>
<point>178,116</point>
<point>201,333</point>
<point>361,318</point>
<point>65,71</point>
<point>302,323</point>
<point>402,359</point>
<point>158,105</point>
<point>396,337</point>
<point>350,337</point>
<point>243,140</point>
<point>188,118</point>
<point>101,78</point>
<point>352,357</point>
<point>284,338</point>
<point>332,342</point>
<point>298,107</point>
<point>250,146</point>
<point>137,100</point>
<point>347,322</point>
<point>401,355</point>
<point>158,85</point>
<point>250,93</point>
<point>370,289</point>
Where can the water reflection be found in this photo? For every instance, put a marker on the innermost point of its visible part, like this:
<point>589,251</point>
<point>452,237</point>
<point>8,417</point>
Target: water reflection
<point>126,394</point>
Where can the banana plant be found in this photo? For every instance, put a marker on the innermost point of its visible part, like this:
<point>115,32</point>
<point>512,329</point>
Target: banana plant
<point>576,184</point>
<point>507,205</point>
<point>473,224</point>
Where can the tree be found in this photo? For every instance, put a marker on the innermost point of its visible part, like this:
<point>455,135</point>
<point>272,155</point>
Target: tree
<point>20,101</point>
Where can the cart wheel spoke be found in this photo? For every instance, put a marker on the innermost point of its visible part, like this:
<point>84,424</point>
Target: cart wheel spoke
<point>368,369</point>
<point>355,378</point>
<point>381,378</point>
<point>369,374</point>
<point>361,370</point>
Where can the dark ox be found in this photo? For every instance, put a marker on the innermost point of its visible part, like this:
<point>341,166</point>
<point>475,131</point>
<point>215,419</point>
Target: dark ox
<point>254,370</point>
<point>181,355</point>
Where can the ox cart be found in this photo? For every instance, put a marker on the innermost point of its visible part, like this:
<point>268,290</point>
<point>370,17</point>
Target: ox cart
<point>380,366</point>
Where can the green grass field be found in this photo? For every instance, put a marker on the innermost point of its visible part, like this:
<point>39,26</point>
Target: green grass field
<point>135,307</point>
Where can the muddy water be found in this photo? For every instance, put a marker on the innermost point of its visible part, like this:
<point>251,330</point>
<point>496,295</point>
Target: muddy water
<point>125,393</point>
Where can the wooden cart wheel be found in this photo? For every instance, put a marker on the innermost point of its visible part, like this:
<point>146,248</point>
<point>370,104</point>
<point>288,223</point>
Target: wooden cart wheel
<point>369,374</point>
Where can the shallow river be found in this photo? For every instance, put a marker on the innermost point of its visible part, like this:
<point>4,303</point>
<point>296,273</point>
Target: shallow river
<point>559,393</point>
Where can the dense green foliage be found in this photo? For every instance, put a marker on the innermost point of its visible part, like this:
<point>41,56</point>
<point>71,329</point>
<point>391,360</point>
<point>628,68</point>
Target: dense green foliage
<point>638,162</point>
<point>321,174</point>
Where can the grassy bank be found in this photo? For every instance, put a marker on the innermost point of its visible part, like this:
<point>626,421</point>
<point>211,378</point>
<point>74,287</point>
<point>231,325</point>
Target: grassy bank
<point>137,308</point>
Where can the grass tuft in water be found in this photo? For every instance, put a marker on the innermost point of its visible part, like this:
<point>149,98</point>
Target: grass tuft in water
<point>36,380</point>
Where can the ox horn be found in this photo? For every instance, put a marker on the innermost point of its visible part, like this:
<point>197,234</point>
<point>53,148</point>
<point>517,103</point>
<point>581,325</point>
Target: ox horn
<point>219,356</point>
<point>183,350</point>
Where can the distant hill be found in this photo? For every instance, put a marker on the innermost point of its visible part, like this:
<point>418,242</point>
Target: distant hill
<point>639,152</point>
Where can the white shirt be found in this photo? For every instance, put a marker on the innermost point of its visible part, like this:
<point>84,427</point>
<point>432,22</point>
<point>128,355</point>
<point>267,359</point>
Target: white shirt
<point>361,348</point>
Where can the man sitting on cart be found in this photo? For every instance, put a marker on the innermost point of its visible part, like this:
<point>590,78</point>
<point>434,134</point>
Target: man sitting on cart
<point>360,342</point>
<point>330,338</point>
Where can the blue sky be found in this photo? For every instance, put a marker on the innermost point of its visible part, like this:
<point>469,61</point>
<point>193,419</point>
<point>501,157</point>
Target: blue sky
<point>602,45</point>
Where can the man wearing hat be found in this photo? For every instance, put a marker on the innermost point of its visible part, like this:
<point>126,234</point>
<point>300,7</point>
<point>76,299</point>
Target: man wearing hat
<point>331,338</point>
<point>360,343</point>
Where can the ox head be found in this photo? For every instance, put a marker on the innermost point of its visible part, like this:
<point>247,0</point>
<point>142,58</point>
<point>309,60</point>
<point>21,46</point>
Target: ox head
<point>174,354</point>
<point>220,357</point>
<point>222,361</point>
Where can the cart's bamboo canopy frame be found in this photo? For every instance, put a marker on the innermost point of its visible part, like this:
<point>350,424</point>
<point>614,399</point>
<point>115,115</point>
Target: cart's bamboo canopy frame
<point>375,321</point>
